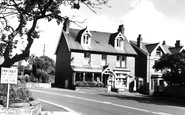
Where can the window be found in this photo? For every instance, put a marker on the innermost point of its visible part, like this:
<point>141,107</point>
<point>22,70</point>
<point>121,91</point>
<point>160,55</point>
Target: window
<point>86,38</point>
<point>155,61</point>
<point>121,61</point>
<point>104,60</point>
<point>158,52</point>
<point>87,58</point>
<point>119,43</point>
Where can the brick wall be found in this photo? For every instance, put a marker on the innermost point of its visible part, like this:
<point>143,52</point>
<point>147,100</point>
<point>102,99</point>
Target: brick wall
<point>63,69</point>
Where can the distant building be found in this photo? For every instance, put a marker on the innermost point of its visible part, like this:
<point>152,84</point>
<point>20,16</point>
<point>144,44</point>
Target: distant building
<point>84,55</point>
<point>148,55</point>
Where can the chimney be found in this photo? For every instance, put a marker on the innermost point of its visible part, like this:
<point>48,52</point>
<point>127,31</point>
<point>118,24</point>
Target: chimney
<point>121,29</point>
<point>164,42</point>
<point>177,44</point>
<point>139,40</point>
<point>66,25</point>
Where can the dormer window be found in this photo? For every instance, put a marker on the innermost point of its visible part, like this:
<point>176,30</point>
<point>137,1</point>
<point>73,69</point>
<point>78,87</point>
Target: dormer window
<point>119,41</point>
<point>86,38</point>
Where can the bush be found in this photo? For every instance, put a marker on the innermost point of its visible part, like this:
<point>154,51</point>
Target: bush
<point>88,84</point>
<point>18,94</point>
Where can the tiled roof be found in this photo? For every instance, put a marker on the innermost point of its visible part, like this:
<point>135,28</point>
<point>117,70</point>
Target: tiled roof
<point>166,48</point>
<point>99,42</point>
<point>175,49</point>
<point>146,47</point>
<point>151,47</point>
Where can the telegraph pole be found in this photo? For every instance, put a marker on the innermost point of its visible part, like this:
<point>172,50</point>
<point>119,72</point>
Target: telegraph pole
<point>44,48</point>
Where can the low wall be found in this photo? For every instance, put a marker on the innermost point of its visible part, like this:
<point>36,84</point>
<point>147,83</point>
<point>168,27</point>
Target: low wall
<point>31,108</point>
<point>175,91</point>
<point>38,85</point>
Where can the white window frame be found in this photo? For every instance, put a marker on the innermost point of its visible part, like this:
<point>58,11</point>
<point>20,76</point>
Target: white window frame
<point>121,61</point>
<point>87,58</point>
<point>104,59</point>
<point>86,38</point>
<point>158,52</point>
<point>119,41</point>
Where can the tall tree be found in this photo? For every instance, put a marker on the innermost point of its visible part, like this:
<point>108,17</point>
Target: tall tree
<point>27,13</point>
<point>173,68</point>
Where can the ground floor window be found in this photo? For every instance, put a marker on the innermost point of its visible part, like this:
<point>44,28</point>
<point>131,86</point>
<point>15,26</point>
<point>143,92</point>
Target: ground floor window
<point>88,76</point>
<point>79,77</point>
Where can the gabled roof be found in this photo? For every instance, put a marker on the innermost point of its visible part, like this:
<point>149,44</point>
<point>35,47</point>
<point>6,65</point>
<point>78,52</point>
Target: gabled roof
<point>166,48</point>
<point>145,47</point>
<point>175,49</point>
<point>150,47</point>
<point>99,42</point>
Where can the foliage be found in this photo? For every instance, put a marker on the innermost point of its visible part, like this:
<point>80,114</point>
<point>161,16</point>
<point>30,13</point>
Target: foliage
<point>173,68</point>
<point>43,68</point>
<point>18,94</point>
<point>88,84</point>
<point>19,22</point>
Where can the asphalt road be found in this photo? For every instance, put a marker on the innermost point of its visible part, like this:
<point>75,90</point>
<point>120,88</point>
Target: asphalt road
<point>87,103</point>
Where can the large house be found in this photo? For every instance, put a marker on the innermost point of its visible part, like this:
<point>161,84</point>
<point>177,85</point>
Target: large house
<point>84,55</point>
<point>148,55</point>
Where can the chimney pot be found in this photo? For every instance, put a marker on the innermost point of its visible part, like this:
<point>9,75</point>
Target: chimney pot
<point>121,29</point>
<point>66,25</point>
<point>164,42</point>
<point>139,40</point>
<point>177,44</point>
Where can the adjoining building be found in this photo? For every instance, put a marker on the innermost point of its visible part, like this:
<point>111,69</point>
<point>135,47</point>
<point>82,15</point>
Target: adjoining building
<point>84,55</point>
<point>148,55</point>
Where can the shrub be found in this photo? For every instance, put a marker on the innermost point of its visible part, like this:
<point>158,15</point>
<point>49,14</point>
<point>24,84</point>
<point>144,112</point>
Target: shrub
<point>18,94</point>
<point>88,84</point>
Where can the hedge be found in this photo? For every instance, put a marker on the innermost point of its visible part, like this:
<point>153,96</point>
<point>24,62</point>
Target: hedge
<point>88,84</point>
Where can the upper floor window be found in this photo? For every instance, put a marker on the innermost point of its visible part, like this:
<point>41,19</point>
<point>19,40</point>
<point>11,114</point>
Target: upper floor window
<point>86,38</point>
<point>104,60</point>
<point>121,61</point>
<point>158,52</point>
<point>155,61</point>
<point>119,42</point>
<point>87,58</point>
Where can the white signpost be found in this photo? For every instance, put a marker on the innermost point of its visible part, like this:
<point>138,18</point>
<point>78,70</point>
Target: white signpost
<point>8,76</point>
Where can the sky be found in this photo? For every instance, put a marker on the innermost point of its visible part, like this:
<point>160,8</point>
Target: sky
<point>155,20</point>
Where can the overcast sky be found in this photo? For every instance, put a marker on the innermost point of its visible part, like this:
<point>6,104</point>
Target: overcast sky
<point>155,20</point>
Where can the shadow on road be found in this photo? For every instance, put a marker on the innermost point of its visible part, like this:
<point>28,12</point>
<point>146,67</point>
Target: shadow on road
<point>149,99</point>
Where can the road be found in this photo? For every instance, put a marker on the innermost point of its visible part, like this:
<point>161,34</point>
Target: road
<point>108,103</point>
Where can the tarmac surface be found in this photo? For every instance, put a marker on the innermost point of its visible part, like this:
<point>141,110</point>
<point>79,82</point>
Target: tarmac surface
<point>59,110</point>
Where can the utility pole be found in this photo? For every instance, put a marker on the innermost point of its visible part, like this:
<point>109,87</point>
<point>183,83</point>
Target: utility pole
<point>44,48</point>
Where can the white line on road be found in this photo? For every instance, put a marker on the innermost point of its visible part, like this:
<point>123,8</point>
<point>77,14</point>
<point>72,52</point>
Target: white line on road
<point>105,102</point>
<point>66,108</point>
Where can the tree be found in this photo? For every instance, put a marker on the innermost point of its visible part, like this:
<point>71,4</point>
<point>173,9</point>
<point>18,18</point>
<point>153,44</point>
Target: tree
<point>27,13</point>
<point>43,68</point>
<point>173,68</point>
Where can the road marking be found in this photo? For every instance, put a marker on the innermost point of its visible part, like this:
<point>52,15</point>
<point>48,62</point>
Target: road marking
<point>66,108</point>
<point>104,102</point>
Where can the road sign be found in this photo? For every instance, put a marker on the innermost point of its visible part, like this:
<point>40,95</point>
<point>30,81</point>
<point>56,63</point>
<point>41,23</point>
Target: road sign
<point>9,75</point>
